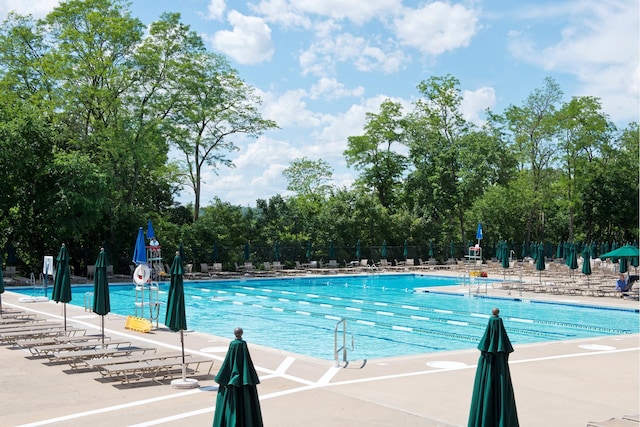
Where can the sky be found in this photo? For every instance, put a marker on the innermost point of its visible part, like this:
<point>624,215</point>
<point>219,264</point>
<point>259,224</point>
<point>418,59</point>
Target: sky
<point>320,66</point>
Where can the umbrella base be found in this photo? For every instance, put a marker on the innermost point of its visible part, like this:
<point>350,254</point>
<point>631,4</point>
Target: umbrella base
<point>185,383</point>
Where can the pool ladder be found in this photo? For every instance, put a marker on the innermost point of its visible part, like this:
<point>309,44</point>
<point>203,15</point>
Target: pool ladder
<point>343,349</point>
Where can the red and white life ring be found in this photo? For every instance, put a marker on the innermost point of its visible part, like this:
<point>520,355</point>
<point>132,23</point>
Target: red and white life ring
<point>142,274</point>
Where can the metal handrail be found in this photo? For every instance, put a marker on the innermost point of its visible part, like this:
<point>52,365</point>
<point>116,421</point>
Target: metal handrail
<point>337,350</point>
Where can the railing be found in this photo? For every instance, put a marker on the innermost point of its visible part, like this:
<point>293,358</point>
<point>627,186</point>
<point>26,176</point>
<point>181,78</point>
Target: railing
<point>336,350</point>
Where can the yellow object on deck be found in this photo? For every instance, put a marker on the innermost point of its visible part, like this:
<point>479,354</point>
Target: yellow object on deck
<point>138,324</point>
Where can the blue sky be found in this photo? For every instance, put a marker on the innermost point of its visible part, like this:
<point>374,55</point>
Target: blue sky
<point>319,66</point>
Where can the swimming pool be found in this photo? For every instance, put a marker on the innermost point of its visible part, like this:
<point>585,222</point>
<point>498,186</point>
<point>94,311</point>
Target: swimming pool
<point>385,317</point>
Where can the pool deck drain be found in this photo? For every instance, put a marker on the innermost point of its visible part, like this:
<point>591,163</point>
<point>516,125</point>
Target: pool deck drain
<point>566,383</point>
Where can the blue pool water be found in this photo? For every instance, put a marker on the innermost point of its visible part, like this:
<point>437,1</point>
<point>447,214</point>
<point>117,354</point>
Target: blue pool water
<point>385,317</point>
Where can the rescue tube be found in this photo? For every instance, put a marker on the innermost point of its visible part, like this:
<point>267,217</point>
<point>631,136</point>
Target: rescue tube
<point>142,274</point>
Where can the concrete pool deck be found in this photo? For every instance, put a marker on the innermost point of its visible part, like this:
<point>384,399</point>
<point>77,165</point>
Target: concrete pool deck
<point>562,383</point>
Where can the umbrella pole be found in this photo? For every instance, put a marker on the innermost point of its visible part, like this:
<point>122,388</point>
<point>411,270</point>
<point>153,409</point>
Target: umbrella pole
<point>184,367</point>
<point>64,310</point>
<point>102,322</point>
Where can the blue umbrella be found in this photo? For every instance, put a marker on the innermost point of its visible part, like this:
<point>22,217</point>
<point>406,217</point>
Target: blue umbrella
<point>140,249</point>
<point>479,233</point>
<point>150,233</point>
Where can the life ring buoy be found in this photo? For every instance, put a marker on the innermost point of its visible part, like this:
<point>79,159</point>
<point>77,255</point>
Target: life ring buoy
<point>141,274</point>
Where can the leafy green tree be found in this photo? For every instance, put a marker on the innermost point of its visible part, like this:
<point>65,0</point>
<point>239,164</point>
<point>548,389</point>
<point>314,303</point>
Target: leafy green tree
<point>374,153</point>
<point>309,177</point>
<point>531,130</point>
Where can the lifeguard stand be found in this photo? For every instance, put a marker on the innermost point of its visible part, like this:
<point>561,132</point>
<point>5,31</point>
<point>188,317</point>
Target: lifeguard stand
<point>147,294</point>
<point>474,268</point>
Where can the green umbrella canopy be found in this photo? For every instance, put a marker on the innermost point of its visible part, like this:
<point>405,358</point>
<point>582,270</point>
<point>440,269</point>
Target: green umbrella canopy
<point>540,265</point>
<point>332,250</point>
<point>493,400</point>
<point>308,254</point>
<point>383,251</point>
<point>624,251</point>
<point>62,283</point>
<point>505,255</point>
<point>101,304</point>
<point>586,260</point>
<point>430,248</point>
<point>246,252</point>
<point>358,249</point>
<point>1,283</point>
<point>405,250</point>
<point>559,250</point>
<point>452,249</point>
<point>176,318</point>
<point>624,265</point>
<point>276,250</point>
<point>237,402</point>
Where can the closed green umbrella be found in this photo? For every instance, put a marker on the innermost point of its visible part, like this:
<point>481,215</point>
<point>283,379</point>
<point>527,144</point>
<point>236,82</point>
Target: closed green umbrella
<point>358,250</point>
<point>430,248</point>
<point>332,250</point>
<point>101,304</point>
<point>1,284</point>
<point>540,265</point>
<point>624,265</point>
<point>525,252</point>
<point>493,401</point>
<point>559,250</point>
<point>452,249</point>
<point>405,250</point>
<point>383,251</point>
<point>276,250</point>
<point>237,402</point>
<point>308,254</point>
<point>214,252</point>
<point>586,262</point>
<point>505,255</point>
<point>246,252</point>
<point>62,283</point>
<point>573,258</point>
<point>176,316</point>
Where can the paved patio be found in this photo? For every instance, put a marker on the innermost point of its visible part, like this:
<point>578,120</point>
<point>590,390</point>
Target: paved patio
<point>566,383</point>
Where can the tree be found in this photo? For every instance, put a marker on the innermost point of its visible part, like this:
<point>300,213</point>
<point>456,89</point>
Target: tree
<point>532,129</point>
<point>374,154</point>
<point>211,104</point>
<point>309,177</point>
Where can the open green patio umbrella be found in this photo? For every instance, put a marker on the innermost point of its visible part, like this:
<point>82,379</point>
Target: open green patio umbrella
<point>237,402</point>
<point>493,401</point>
<point>627,251</point>
<point>176,316</point>
<point>586,262</point>
<point>101,304</point>
<point>62,283</point>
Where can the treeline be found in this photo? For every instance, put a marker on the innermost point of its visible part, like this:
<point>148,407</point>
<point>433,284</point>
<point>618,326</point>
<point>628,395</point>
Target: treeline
<point>91,103</point>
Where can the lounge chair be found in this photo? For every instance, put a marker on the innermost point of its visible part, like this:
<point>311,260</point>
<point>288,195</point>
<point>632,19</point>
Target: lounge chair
<point>204,268</point>
<point>267,266</point>
<point>77,359</point>
<point>153,369</point>
<point>91,271</point>
<point>276,265</point>
<point>217,267</point>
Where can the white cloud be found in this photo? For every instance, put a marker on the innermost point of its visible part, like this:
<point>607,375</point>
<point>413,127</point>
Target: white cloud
<point>474,103</point>
<point>333,89</point>
<point>216,9</point>
<point>248,43</point>
<point>599,46</point>
<point>37,8</point>
<point>322,56</point>
<point>355,11</point>
<point>289,109</point>
<point>437,27</point>
<point>281,12</point>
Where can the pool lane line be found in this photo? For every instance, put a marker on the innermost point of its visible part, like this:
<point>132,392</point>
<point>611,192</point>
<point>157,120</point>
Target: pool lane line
<point>551,335</point>
<point>569,325</point>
